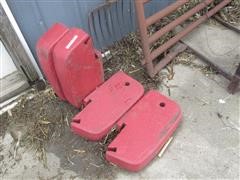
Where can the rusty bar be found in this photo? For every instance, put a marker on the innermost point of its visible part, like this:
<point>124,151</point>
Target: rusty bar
<point>178,21</point>
<point>170,56</point>
<point>144,36</point>
<point>234,84</point>
<point>187,30</point>
<point>166,11</point>
<point>217,8</point>
<point>234,79</point>
<point>213,65</point>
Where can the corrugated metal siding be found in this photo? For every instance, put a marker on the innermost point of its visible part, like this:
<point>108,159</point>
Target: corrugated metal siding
<point>34,17</point>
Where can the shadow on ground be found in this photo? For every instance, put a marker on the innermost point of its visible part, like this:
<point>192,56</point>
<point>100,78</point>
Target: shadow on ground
<point>83,157</point>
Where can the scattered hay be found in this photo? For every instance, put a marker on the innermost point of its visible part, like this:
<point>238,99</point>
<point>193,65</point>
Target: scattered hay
<point>126,55</point>
<point>231,13</point>
<point>188,59</point>
<point>44,116</point>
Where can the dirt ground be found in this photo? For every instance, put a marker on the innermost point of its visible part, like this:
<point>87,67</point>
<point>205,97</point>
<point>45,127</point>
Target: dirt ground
<point>40,124</point>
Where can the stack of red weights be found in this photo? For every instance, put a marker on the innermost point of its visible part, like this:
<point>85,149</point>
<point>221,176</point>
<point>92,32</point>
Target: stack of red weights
<point>144,121</point>
<point>70,63</point>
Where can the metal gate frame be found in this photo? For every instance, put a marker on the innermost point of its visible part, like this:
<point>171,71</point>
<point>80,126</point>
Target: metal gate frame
<point>147,41</point>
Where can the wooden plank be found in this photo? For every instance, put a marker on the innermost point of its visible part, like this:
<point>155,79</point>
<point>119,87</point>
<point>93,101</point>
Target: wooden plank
<point>12,84</point>
<point>15,48</point>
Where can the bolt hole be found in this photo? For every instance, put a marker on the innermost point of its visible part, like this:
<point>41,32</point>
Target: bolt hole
<point>113,149</point>
<point>87,102</point>
<point>96,56</point>
<point>162,104</point>
<point>76,121</point>
<point>86,41</point>
<point>122,126</point>
<point>127,83</point>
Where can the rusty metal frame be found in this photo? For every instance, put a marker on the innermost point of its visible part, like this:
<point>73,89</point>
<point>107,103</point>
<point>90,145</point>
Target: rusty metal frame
<point>233,78</point>
<point>235,81</point>
<point>147,41</point>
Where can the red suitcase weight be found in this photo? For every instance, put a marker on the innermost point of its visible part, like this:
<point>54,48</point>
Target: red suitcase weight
<point>44,49</point>
<point>145,128</point>
<point>78,66</point>
<point>106,105</point>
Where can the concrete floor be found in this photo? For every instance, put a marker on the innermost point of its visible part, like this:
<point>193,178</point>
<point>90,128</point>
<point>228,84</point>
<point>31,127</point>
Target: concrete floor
<point>206,145</point>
